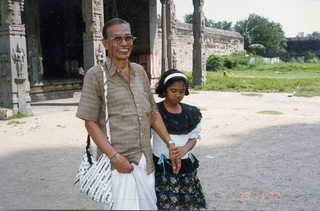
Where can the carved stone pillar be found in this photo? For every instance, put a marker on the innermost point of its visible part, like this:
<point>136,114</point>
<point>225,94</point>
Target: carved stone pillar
<point>164,59</point>
<point>93,16</point>
<point>199,57</point>
<point>33,42</point>
<point>170,29</point>
<point>14,82</point>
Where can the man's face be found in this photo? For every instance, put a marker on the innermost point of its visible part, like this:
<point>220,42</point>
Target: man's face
<point>118,49</point>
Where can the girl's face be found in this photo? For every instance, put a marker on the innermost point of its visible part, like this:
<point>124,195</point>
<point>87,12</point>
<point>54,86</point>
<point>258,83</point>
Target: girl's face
<point>175,93</point>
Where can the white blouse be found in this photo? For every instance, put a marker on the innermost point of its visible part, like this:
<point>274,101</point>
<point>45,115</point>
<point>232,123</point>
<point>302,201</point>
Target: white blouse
<point>159,147</point>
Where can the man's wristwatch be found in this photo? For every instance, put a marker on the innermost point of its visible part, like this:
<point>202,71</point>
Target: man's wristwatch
<point>170,142</point>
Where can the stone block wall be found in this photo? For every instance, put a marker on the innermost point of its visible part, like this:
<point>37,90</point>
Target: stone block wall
<point>218,42</point>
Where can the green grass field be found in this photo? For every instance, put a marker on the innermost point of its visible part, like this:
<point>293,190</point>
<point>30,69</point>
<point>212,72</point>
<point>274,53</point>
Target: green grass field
<point>300,79</point>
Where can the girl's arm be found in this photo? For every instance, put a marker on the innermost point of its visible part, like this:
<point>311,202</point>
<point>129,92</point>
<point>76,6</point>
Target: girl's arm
<point>158,126</point>
<point>181,151</point>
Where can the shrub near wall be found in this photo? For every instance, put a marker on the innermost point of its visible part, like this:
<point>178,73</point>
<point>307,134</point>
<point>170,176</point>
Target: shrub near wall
<point>216,62</point>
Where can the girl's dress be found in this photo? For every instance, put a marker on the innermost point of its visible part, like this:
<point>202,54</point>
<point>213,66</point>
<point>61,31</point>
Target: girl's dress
<point>181,191</point>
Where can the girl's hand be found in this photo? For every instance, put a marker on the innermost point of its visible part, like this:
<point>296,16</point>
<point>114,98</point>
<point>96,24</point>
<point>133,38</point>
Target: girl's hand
<point>179,152</point>
<point>176,162</point>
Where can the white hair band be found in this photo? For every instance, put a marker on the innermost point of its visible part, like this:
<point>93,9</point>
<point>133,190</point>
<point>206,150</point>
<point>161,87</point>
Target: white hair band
<point>173,75</point>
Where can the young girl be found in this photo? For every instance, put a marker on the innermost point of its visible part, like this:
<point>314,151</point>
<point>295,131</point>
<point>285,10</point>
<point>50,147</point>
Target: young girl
<point>180,191</point>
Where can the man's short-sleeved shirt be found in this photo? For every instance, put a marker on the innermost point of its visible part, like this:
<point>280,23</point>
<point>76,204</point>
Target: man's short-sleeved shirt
<point>129,108</point>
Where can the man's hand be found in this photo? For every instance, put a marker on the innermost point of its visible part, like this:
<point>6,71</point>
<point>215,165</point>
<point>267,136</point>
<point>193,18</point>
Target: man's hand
<point>122,164</point>
<point>175,161</point>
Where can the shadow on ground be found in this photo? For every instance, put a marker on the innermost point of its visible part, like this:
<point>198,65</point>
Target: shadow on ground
<point>272,168</point>
<point>241,175</point>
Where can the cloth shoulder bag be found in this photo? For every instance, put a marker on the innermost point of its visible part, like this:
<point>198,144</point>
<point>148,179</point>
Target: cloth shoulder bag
<point>94,177</point>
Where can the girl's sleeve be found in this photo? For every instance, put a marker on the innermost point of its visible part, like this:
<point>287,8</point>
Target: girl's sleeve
<point>195,132</point>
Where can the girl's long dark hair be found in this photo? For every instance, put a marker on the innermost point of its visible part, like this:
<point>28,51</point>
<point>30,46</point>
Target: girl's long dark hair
<point>161,87</point>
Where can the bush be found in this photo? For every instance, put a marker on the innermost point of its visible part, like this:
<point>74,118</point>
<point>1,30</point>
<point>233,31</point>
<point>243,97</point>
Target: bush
<point>215,63</point>
<point>229,62</point>
<point>241,58</point>
<point>313,58</point>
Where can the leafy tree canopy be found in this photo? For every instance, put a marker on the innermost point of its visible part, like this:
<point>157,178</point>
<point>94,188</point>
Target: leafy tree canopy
<point>255,30</point>
<point>259,30</point>
<point>314,34</point>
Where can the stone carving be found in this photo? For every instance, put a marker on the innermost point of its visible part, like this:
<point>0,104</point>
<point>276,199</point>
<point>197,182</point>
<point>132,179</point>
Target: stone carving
<point>199,59</point>
<point>22,103</point>
<point>114,9</point>
<point>93,17</point>
<point>97,6</point>
<point>40,71</point>
<point>198,18</point>
<point>4,66</point>
<point>99,55</point>
<point>87,16</point>
<point>201,38</point>
<point>171,13</point>
<point>163,1</point>
<point>222,42</point>
<point>18,58</point>
<point>96,24</point>
<point>174,59</point>
<point>13,12</point>
<point>33,58</point>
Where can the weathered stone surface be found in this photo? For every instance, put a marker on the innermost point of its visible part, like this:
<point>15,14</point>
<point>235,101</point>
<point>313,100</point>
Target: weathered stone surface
<point>216,41</point>
<point>14,82</point>
<point>5,113</point>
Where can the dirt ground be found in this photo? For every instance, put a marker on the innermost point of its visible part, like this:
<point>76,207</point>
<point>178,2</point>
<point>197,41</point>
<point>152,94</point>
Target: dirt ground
<point>248,161</point>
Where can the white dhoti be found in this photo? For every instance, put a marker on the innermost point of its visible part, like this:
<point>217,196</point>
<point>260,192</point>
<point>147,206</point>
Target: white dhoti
<point>134,191</point>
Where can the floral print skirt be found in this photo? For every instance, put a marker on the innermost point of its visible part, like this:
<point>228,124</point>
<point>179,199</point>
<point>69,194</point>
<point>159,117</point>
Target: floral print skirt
<point>181,191</point>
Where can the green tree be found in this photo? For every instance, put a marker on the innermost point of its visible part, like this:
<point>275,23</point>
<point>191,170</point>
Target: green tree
<point>188,18</point>
<point>258,30</point>
<point>314,34</point>
<point>224,25</point>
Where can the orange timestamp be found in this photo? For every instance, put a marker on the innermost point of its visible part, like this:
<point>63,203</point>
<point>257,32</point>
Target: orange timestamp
<point>268,196</point>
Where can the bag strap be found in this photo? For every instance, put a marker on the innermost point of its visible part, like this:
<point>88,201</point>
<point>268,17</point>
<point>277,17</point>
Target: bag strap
<point>107,117</point>
<point>88,150</point>
<point>105,87</point>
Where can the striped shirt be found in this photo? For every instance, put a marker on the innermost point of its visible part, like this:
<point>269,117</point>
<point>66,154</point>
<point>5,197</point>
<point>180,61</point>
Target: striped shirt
<point>129,107</point>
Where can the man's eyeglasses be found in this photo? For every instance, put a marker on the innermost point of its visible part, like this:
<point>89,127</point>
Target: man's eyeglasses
<point>118,39</point>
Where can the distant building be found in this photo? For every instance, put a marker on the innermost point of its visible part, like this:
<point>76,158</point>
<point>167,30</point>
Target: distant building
<point>301,46</point>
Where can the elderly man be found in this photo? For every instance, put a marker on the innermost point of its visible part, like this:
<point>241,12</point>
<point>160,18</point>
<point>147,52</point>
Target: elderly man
<point>130,107</point>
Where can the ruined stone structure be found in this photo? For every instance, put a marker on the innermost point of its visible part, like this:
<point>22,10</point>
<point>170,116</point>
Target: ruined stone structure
<point>216,41</point>
<point>47,41</point>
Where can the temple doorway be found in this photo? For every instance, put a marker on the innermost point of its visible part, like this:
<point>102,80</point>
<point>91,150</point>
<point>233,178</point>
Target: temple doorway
<point>58,31</point>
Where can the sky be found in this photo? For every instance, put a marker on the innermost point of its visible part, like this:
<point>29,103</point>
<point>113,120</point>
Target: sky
<point>294,15</point>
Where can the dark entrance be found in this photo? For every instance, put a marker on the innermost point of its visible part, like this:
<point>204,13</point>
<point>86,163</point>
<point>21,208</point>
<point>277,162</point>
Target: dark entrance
<point>61,30</point>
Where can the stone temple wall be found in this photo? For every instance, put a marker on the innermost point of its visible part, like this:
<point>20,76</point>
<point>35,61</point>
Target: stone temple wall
<point>302,46</point>
<point>218,42</point>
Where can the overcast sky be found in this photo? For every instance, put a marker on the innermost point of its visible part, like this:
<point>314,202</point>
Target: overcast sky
<point>294,15</point>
